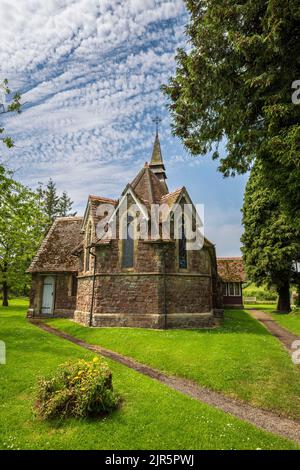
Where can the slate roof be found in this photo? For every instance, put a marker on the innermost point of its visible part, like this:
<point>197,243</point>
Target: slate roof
<point>55,252</point>
<point>171,198</point>
<point>95,202</point>
<point>231,269</point>
<point>148,187</point>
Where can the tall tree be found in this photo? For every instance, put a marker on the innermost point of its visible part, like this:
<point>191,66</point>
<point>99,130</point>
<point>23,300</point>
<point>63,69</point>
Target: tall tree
<point>50,200</point>
<point>65,205</point>
<point>52,204</point>
<point>271,243</point>
<point>235,85</point>
<point>21,223</point>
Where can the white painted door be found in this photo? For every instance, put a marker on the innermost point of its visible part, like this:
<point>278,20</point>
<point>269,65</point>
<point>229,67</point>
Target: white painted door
<point>48,295</point>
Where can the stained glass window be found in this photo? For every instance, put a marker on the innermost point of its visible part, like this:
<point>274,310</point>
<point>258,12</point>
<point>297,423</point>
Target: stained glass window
<point>182,247</point>
<point>128,246</point>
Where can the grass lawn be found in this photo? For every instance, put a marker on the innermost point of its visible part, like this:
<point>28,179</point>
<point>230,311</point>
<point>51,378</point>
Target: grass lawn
<point>152,416</point>
<point>290,321</point>
<point>240,359</point>
<point>262,306</point>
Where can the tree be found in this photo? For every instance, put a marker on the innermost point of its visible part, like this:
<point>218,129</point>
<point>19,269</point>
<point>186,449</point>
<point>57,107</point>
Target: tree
<point>298,296</point>
<point>52,204</point>
<point>21,223</point>
<point>14,106</point>
<point>235,85</point>
<point>271,243</point>
<point>50,200</point>
<point>65,205</point>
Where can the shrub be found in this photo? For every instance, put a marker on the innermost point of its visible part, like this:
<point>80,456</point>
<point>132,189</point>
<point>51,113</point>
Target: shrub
<point>80,389</point>
<point>262,293</point>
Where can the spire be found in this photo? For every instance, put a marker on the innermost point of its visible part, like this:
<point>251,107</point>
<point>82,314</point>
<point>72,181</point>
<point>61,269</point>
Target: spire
<point>157,164</point>
<point>156,152</point>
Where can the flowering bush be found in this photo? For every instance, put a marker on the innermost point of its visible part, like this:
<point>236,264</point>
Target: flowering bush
<point>80,389</point>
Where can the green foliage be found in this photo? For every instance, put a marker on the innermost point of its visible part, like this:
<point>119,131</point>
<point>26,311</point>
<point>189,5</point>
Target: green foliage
<point>49,200</point>
<point>13,106</point>
<point>65,205</point>
<point>271,242</point>
<point>235,82</point>
<point>21,222</point>
<point>82,389</point>
<point>52,204</point>
<point>261,293</point>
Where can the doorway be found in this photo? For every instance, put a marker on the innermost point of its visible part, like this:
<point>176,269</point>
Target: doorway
<point>48,295</point>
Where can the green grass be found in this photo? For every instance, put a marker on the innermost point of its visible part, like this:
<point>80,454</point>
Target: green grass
<point>262,306</point>
<point>240,359</point>
<point>290,321</point>
<point>152,416</point>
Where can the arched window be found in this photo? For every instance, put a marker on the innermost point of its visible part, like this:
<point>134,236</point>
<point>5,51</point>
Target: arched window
<point>128,246</point>
<point>87,249</point>
<point>182,255</point>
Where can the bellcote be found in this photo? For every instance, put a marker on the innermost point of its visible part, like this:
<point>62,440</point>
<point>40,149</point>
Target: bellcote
<point>157,164</point>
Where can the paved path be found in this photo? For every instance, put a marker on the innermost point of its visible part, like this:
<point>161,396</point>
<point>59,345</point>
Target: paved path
<point>285,337</point>
<point>265,420</point>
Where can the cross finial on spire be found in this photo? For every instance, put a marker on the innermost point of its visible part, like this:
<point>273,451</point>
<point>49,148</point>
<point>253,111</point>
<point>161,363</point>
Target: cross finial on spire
<point>157,121</point>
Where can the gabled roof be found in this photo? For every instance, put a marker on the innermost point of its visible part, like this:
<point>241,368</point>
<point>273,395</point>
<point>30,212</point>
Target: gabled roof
<point>92,208</point>
<point>55,252</point>
<point>148,187</point>
<point>171,198</point>
<point>231,269</point>
<point>138,201</point>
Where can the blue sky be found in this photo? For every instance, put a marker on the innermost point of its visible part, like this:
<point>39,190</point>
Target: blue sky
<point>90,73</point>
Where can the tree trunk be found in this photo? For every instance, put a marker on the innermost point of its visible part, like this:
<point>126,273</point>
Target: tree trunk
<point>284,301</point>
<point>297,300</point>
<point>4,285</point>
<point>5,294</point>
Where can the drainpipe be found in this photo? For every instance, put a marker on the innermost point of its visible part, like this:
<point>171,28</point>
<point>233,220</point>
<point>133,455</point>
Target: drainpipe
<point>164,291</point>
<point>93,288</point>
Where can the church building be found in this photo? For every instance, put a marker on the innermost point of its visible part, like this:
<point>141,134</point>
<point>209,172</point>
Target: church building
<point>83,272</point>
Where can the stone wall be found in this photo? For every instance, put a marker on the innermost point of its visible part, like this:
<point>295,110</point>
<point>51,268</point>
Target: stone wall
<point>141,296</point>
<point>188,293</point>
<point>64,302</point>
<point>35,295</point>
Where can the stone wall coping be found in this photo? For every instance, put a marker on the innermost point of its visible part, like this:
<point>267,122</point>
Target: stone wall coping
<point>156,315</point>
<point>128,273</point>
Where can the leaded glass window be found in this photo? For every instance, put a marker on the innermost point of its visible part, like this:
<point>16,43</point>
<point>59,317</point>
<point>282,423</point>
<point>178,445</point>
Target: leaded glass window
<point>182,247</point>
<point>128,245</point>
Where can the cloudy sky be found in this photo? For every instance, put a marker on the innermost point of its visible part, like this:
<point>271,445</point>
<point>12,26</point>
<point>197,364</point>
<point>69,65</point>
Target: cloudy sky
<point>90,73</point>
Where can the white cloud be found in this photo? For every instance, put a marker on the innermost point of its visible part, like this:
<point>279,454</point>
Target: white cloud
<point>90,73</point>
